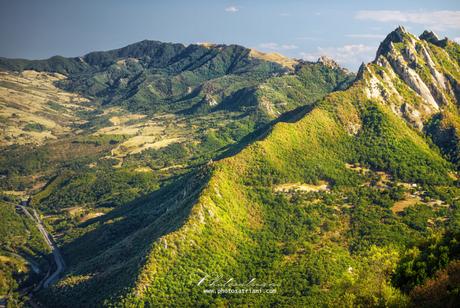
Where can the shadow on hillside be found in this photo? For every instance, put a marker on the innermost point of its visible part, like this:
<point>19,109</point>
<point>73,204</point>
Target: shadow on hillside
<point>110,256</point>
<point>259,134</point>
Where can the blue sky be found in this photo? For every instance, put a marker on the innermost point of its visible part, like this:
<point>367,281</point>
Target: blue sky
<point>349,31</point>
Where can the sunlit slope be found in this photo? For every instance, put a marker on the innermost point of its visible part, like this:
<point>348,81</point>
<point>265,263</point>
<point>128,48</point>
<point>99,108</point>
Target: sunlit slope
<point>241,229</point>
<point>322,207</point>
<point>419,79</point>
<point>34,110</point>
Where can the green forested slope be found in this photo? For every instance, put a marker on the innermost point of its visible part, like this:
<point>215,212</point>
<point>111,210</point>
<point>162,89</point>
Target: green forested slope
<point>242,229</point>
<point>346,199</point>
<point>152,76</point>
<point>104,196</point>
<point>21,245</point>
<point>333,208</point>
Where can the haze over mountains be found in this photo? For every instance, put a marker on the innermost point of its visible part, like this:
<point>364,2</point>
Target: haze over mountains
<point>160,167</point>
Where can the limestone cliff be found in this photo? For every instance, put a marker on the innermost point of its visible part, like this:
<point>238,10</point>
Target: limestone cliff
<point>419,78</point>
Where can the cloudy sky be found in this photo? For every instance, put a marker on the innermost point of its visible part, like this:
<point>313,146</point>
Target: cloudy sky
<point>349,31</point>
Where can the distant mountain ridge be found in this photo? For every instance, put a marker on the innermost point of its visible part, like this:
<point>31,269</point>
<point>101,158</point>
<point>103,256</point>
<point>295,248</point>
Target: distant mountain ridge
<point>151,76</point>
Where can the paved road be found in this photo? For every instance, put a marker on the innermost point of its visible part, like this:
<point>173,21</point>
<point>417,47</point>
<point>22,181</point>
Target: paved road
<point>60,264</point>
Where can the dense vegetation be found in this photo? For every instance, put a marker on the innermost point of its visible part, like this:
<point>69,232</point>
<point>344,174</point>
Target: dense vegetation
<point>217,91</point>
<point>20,245</point>
<point>324,247</point>
<point>152,76</point>
<point>341,201</point>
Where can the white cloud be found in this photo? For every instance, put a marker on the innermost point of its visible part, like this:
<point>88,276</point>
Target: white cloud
<point>276,46</point>
<point>457,39</point>
<point>436,20</point>
<point>232,9</point>
<point>366,36</point>
<point>350,56</point>
<point>285,14</point>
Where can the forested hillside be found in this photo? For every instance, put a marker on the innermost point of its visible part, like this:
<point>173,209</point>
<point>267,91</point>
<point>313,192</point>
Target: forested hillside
<point>112,146</point>
<point>353,201</point>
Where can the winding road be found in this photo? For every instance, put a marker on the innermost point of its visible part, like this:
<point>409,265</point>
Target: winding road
<point>60,264</point>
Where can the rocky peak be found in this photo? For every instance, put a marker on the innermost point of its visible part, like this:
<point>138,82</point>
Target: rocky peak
<point>361,70</point>
<point>326,61</point>
<point>400,31</point>
<point>431,37</point>
<point>396,36</point>
<point>407,75</point>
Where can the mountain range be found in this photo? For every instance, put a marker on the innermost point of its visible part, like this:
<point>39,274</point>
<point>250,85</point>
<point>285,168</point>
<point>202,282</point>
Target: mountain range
<point>173,175</point>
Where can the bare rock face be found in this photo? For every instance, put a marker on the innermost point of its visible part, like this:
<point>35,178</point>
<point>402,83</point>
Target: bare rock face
<point>328,62</point>
<point>440,79</point>
<point>412,115</point>
<point>404,64</point>
<point>210,101</point>
<point>418,78</point>
<point>415,82</point>
<point>410,77</point>
<point>374,89</point>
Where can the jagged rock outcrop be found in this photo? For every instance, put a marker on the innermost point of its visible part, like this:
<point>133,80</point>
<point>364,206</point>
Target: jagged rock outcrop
<point>419,79</point>
<point>431,37</point>
<point>210,100</point>
<point>329,62</point>
<point>397,36</point>
<point>408,75</point>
